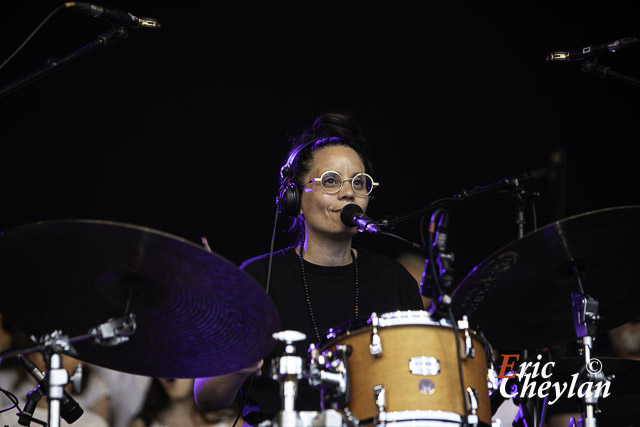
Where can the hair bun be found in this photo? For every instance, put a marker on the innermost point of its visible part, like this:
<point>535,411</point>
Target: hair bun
<point>341,125</point>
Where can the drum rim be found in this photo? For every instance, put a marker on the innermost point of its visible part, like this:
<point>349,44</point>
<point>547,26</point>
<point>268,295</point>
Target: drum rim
<point>420,415</point>
<point>387,319</point>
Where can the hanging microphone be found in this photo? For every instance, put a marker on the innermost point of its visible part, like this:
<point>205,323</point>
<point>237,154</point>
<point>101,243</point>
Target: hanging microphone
<point>353,216</point>
<point>70,410</point>
<point>442,231</point>
<point>577,55</point>
<point>115,16</point>
<point>33,397</point>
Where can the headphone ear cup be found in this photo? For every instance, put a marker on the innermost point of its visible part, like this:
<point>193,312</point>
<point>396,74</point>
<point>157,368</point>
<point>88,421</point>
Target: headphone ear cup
<point>289,200</point>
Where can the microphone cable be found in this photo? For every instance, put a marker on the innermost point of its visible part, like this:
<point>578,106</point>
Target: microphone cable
<point>454,324</point>
<point>33,33</point>
<point>271,246</point>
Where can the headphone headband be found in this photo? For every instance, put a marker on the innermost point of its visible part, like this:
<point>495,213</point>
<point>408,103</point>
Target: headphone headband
<point>286,168</point>
<point>288,200</point>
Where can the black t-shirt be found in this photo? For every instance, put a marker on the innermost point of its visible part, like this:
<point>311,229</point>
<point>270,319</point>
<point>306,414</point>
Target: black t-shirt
<point>384,286</point>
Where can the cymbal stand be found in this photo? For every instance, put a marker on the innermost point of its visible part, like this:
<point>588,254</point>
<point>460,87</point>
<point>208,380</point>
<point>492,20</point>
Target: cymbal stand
<point>585,321</point>
<point>113,332</point>
<point>287,370</point>
<point>54,344</point>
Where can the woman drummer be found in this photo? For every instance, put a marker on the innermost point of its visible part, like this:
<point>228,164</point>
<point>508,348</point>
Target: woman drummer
<point>322,281</point>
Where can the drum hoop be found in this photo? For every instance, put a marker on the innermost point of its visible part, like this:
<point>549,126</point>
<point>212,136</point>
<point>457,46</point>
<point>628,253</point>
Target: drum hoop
<point>426,415</point>
<point>389,319</point>
<point>396,318</point>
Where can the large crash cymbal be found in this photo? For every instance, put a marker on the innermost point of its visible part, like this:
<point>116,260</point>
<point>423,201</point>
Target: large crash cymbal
<point>196,313</point>
<point>519,297</point>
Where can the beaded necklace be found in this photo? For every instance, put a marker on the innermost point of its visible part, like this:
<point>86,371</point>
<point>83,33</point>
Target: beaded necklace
<point>356,308</point>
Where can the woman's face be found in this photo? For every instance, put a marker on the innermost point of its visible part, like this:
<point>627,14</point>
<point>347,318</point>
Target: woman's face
<point>321,211</point>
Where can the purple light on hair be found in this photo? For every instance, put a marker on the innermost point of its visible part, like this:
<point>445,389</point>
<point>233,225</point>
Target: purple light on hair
<point>323,141</point>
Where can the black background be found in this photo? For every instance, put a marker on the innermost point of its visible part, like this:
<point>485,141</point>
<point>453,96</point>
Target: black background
<point>184,130</point>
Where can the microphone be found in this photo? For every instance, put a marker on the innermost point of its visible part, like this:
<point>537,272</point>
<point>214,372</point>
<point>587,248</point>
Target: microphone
<point>70,410</point>
<point>442,232</point>
<point>33,397</point>
<point>115,16</point>
<point>577,55</point>
<point>353,216</point>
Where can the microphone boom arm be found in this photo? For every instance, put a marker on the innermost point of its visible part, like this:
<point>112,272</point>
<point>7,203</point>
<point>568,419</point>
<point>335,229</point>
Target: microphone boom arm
<point>505,184</point>
<point>54,64</point>
<point>592,67</point>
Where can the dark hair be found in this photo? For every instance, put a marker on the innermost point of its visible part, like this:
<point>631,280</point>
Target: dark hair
<point>329,129</point>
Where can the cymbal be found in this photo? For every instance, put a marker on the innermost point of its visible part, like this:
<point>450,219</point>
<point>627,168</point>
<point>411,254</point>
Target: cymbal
<point>196,313</point>
<point>519,297</point>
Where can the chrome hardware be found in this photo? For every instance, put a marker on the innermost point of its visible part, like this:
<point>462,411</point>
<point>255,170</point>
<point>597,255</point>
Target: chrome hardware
<point>379,397</point>
<point>375,347</point>
<point>473,400</point>
<point>329,369</point>
<point>463,325</point>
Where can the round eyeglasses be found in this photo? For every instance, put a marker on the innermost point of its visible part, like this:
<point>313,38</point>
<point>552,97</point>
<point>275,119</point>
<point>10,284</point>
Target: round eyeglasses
<point>331,183</point>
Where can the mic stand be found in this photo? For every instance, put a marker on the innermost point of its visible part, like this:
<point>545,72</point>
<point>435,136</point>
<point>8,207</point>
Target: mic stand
<point>520,197</point>
<point>504,184</point>
<point>54,64</point>
<point>58,376</point>
<point>591,66</point>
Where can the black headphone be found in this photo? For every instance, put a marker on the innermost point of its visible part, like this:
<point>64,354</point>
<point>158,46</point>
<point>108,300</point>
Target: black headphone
<point>288,200</point>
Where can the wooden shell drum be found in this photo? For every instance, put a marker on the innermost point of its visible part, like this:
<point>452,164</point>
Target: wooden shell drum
<point>403,368</point>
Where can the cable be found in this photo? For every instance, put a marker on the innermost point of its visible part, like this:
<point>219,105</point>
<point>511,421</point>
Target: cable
<point>56,10</point>
<point>273,238</point>
<point>12,397</point>
<point>402,239</point>
<point>452,319</point>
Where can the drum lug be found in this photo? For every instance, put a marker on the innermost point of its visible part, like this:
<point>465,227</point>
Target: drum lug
<point>469,351</point>
<point>375,346</point>
<point>473,400</point>
<point>379,397</point>
<point>492,378</point>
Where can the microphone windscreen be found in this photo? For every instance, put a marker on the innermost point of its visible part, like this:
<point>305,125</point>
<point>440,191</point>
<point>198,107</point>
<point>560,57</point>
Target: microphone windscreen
<point>348,213</point>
